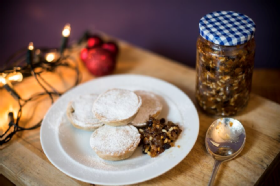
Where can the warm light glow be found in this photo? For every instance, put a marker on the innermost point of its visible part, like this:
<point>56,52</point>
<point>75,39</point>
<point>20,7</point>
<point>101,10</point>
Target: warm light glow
<point>37,51</point>
<point>3,80</point>
<point>50,57</point>
<point>16,76</point>
<point>66,30</point>
<point>11,109</point>
<point>30,46</point>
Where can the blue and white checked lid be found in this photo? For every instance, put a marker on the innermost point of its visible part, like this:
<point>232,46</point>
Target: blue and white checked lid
<point>227,28</point>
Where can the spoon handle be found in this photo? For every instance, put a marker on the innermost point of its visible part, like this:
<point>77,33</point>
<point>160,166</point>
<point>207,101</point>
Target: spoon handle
<point>215,170</point>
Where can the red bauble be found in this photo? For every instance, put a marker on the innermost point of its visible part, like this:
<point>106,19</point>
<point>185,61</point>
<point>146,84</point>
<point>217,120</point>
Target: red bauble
<point>99,57</point>
<point>100,61</point>
<point>94,41</point>
<point>111,46</point>
<point>84,54</point>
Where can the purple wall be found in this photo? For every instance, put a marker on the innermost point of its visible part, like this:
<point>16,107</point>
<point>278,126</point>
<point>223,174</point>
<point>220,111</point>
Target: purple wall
<point>167,27</point>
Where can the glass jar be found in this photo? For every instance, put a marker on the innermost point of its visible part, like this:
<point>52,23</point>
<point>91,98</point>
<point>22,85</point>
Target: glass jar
<point>224,68</point>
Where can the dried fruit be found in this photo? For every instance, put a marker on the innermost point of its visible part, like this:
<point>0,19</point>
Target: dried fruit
<point>166,146</point>
<point>150,123</point>
<point>158,136</point>
<point>224,76</point>
<point>162,120</point>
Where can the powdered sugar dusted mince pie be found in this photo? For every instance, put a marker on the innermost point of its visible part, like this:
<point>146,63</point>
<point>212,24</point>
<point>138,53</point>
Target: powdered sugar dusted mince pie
<point>115,143</point>
<point>116,107</point>
<point>79,113</point>
<point>151,106</point>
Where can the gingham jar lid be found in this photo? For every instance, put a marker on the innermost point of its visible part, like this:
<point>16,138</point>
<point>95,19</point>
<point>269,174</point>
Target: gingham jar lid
<point>227,28</point>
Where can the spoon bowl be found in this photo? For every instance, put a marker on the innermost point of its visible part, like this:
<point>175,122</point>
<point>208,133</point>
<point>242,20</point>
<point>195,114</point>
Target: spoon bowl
<point>225,139</point>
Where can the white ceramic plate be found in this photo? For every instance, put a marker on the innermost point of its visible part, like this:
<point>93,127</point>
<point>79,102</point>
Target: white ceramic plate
<point>68,148</point>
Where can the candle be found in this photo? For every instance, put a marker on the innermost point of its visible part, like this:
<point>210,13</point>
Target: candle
<point>65,34</point>
<point>29,58</point>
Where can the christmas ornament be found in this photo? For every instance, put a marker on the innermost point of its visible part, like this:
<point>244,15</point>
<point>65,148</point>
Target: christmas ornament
<point>99,57</point>
<point>84,54</point>
<point>94,41</point>
<point>111,46</point>
<point>100,61</point>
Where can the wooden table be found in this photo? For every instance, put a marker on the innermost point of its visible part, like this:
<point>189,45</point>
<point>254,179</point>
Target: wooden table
<point>24,162</point>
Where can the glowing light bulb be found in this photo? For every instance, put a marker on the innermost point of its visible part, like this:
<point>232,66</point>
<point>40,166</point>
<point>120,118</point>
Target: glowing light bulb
<point>30,46</point>
<point>16,76</point>
<point>50,57</point>
<point>13,110</point>
<point>9,88</point>
<point>66,30</point>
<point>3,80</point>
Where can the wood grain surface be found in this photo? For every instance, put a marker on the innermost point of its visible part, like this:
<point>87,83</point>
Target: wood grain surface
<point>24,162</point>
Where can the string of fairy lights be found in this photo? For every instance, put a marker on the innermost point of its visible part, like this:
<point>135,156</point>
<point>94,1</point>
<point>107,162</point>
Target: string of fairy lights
<point>33,62</point>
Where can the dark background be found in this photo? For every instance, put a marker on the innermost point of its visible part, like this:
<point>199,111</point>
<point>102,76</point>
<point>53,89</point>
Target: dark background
<point>169,28</point>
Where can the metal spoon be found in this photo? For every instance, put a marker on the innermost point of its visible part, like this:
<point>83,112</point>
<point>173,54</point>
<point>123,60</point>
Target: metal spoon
<point>225,139</point>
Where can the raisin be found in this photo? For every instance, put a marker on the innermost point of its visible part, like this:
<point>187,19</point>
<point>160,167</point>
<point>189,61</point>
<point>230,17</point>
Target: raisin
<point>166,146</point>
<point>150,123</point>
<point>162,121</point>
<point>143,151</point>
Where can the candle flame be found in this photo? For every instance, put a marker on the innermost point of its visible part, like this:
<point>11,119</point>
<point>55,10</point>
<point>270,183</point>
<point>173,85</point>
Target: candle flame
<point>30,46</point>
<point>66,30</point>
<point>50,57</point>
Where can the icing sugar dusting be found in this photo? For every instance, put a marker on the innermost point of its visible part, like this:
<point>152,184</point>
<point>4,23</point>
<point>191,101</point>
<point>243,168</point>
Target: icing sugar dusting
<point>116,104</point>
<point>82,114</point>
<point>76,144</point>
<point>151,105</point>
<point>115,140</point>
